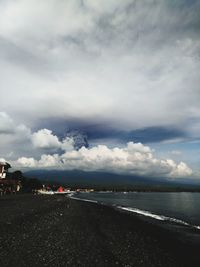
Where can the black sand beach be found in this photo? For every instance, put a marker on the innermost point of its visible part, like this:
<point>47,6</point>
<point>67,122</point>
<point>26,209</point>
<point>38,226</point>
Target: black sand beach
<point>56,231</point>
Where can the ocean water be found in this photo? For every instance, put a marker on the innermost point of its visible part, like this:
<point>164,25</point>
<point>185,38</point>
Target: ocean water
<point>180,208</point>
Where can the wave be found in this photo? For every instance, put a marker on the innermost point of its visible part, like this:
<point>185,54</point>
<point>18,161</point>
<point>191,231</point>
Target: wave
<point>143,212</point>
<point>83,199</point>
<point>158,217</point>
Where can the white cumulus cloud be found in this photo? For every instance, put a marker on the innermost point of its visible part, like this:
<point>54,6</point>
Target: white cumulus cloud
<point>19,140</point>
<point>44,149</point>
<point>133,159</point>
<point>45,139</point>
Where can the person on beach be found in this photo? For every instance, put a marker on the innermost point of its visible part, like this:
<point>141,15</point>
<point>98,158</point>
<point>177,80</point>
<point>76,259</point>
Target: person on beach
<point>18,188</point>
<point>1,190</point>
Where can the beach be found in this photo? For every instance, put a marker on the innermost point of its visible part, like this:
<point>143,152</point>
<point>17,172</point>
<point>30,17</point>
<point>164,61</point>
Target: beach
<point>54,230</point>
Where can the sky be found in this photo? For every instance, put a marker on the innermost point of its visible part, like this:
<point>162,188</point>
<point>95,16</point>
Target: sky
<point>106,85</point>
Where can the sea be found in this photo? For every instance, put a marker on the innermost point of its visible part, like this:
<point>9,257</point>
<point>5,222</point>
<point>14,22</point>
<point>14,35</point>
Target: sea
<point>180,208</point>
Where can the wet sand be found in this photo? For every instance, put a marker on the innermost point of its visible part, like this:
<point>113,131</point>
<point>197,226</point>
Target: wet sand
<point>56,231</point>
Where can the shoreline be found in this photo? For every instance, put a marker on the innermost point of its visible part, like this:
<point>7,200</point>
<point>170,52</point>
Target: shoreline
<point>58,231</point>
<point>185,235</point>
<point>143,213</point>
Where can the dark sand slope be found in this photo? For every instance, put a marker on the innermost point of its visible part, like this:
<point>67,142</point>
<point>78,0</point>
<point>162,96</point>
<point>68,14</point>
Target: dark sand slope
<point>55,231</point>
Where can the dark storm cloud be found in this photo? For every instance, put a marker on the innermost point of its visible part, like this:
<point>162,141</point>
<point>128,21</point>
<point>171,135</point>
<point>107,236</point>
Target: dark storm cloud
<point>91,131</point>
<point>146,135</point>
<point>131,64</point>
<point>110,69</point>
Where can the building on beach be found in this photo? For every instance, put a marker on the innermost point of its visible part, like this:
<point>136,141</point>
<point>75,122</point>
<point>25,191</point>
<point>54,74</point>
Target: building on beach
<point>4,166</point>
<point>8,185</point>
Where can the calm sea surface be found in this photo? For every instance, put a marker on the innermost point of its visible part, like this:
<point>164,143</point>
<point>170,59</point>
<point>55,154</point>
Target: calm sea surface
<point>183,207</point>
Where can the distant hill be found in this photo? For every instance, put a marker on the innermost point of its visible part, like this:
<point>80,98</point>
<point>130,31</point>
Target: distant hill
<point>110,181</point>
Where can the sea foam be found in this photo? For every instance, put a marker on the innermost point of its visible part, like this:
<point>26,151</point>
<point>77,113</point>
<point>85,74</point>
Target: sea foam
<point>144,213</point>
<point>157,217</point>
<point>83,199</point>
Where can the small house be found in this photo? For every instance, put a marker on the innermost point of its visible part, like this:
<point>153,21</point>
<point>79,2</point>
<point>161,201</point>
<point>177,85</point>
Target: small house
<point>4,166</point>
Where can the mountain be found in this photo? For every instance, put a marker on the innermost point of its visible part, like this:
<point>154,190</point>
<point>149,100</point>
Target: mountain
<point>109,180</point>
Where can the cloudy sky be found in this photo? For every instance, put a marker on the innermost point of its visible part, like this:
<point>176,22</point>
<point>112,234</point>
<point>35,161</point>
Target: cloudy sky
<point>104,85</point>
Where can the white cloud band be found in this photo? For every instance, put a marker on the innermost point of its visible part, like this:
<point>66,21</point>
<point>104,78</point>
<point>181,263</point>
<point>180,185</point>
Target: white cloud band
<point>133,159</point>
